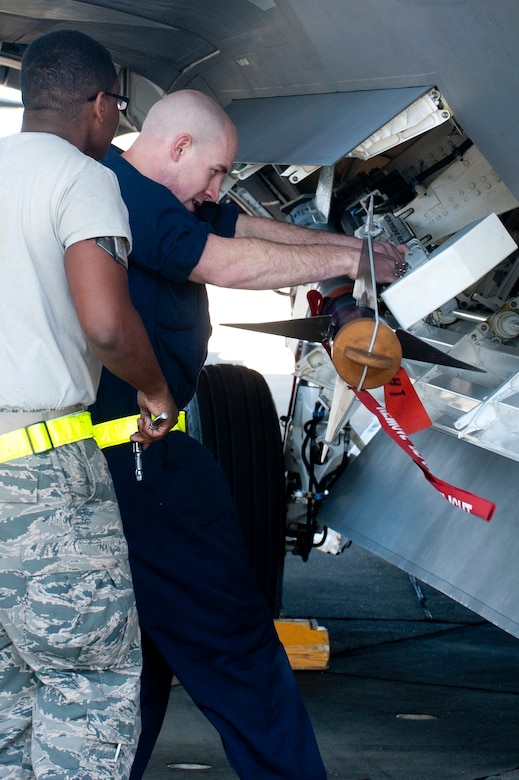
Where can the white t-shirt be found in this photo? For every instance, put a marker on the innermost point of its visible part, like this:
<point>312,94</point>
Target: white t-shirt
<point>51,196</point>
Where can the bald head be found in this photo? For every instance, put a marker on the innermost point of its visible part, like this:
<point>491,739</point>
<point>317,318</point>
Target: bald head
<point>187,144</point>
<point>187,111</point>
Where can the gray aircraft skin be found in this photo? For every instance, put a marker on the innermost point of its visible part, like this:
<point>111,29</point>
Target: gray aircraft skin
<point>255,49</point>
<point>307,83</point>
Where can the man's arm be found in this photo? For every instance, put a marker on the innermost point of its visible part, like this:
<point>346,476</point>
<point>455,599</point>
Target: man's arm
<point>99,288</point>
<point>288,232</point>
<point>264,263</point>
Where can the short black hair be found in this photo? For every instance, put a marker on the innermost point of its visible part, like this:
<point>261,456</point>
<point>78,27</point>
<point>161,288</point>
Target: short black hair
<point>62,69</point>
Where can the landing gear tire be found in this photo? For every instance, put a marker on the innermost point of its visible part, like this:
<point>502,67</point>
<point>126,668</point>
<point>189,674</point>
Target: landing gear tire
<point>233,415</point>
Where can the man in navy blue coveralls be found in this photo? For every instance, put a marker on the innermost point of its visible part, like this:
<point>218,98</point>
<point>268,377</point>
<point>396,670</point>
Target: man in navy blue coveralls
<point>202,614</point>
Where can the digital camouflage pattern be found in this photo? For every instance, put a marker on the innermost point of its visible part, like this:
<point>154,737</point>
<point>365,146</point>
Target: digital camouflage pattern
<point>69,642</point>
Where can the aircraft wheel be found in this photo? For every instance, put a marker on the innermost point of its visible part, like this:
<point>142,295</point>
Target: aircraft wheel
<point>234,415</point>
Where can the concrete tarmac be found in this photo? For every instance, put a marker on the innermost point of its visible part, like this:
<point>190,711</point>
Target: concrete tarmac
<point>418,687</point>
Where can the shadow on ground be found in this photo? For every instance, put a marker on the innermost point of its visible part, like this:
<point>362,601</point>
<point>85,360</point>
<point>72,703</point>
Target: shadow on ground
<point>418,687</point>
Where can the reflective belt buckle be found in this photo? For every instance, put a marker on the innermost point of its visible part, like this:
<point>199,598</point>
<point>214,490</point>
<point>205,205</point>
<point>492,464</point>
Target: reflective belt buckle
<point>38,437</point>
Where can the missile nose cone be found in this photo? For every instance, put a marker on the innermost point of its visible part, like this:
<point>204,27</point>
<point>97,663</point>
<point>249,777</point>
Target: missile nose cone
<point>351,353</point>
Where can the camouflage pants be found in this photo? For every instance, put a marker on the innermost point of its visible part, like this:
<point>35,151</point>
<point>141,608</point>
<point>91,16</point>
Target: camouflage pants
<point>69,643</point>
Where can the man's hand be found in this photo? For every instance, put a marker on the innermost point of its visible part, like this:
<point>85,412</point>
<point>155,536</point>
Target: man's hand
<point>156,407</point>
<point>389,260</point>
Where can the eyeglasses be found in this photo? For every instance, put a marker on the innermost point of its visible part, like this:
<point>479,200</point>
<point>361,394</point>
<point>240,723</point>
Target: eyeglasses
<point>122,100</point>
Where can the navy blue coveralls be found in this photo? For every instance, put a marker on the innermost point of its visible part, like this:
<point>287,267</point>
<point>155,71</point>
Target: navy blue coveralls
<point>201,611</point>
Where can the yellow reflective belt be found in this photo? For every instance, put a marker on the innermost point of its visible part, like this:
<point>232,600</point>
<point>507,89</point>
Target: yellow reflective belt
<point>43,436</point>
<point>113,432</point>
<point>46,435</point>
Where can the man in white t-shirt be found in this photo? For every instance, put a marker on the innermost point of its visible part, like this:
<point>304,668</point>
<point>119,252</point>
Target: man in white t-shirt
<point>69,643</point>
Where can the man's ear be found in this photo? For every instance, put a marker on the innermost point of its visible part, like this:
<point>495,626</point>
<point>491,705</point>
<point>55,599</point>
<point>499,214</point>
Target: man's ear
<point>180,145</point>
<point>99,106</point>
